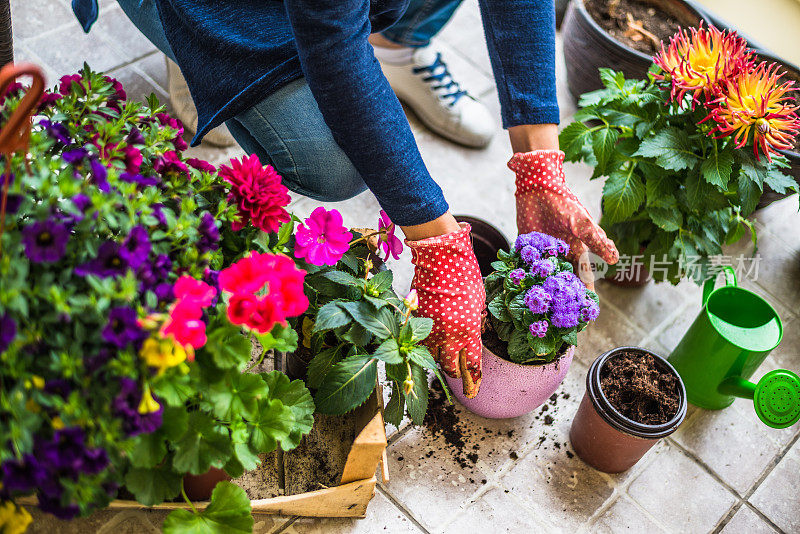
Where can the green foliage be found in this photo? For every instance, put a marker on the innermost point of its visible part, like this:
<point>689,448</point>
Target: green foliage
<point>671,188</point>
<point>227,513</point>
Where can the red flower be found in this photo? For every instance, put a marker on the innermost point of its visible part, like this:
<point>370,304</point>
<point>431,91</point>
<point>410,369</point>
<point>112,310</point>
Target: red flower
<point>186,324</point>
<point>188,289</point>
<point>244,276</point>
<point>175,124</point>
<point>258,193</point>
<point>169,162</point>
<point>65,83</point>
<point>201,165</point>
<point>258,313</point>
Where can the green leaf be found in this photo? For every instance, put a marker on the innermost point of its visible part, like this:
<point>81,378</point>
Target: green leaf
<point>518,348</point>
<point>332,315</point>
<point>623,193</point>
<point>382,323</point>
<point>236,394</point>
<point>203,445</point>
<point>668,219</point>
<point>659,187</point>
<point>319,366</point>
<point>148,450</point>
<point>571,338</point>
<point>389,352</point>
<point>342,278</point>
<point>573,138</point>
<point>381,282</point>
<point>612,79</point>
<point>603,145</point>
<point>347,385</point>
<point>282,338</point>
<point>285,232</point>
<point>749,194</point>
<point>716,168</point>
<point>357,335</point>
<point>244,456</point>
<point>420,327</point>
<point>517,307</point>
<point>422,357</point>
<point>174,389</point>
<point>229,512</point>
<point>271,425</point>
<point>228,347</point>
<point>542,346</point>
<point>294,395</point>
<point>780,182</point>
<point>671,149</point>
<point>417,399</point>
<point>153,485</point>
<point>498,308</point>
<point>395,408</point>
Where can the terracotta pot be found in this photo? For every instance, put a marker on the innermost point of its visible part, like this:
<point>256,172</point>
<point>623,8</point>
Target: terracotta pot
<point>199,487</point>
<point>486,241</point>
<point>606,439</point>
<point>587,46</point>
<point>510,389</point>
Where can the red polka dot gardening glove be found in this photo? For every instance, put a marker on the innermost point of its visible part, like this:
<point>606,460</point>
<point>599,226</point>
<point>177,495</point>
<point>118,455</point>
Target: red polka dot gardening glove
<point>546,204</point>
<point>450,289</point>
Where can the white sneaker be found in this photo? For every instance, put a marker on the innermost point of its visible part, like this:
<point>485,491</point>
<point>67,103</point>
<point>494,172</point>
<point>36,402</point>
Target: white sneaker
<point>184,108</point>
<point>426,86</point>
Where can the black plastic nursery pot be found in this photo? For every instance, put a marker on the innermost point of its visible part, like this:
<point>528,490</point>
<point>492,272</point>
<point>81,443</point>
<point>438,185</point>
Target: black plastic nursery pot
<point>606,439</point>
<point>487,240</point>
<point>587,46</point>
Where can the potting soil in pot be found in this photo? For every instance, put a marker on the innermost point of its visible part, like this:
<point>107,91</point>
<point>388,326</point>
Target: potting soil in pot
<point>636,386</point>
<point>639,25</point>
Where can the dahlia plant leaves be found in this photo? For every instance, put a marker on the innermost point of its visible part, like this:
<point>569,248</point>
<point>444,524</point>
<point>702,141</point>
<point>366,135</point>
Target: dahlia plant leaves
<point>716,168</point>
<point>671,149</point>
<point>272,424</point>
<point>603,146</point>
<point>380,282</point>
<point>417,398</point>
<point>285,233</point>
<point>331,315</point>
<point>623,193</point>
<point>659,187</point>
<point>752,168</point>
<point>780,182</point>
<point>229,512</point>
<point>147,450</point>
<point>347,385</point>
<point>153,485</point>
<point>573,138</point>
<point>204,444</point>
<point>749,194</point>
<point>395,408</point>
<point>227,346</point>
<point>668,219</point>
<point>389,352</point>
<point>422,357</point>
<point>382,323</point>
<point>320,364</point>
<point>612,79</point>
<point>236,394</point>
<point>295,396</point>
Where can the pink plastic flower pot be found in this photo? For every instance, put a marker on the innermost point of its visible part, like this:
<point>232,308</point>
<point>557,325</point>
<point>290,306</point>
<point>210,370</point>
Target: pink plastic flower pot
<point>509,389</point>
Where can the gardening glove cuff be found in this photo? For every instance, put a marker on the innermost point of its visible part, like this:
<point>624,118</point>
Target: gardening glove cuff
<point>546,204</point>
<point>450,289</point>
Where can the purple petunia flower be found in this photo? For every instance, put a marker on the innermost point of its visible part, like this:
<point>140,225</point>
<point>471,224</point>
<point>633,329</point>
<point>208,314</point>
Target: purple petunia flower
<point>135,137</point>
<point>45,241</point>
<point>99,174</point>
<point>136,247</point>
<point>209,234</point>
<point>158,213</point>
<point>81,201</point>
<point>8,331</point>
<point>95,362</point>
<point>56,130</point>
<point>144,181</point>
<point>530,255</point>
<point>122,328</point>
<point>109,262</point>
<point>211,277</point>
<point>538,328</point>
<point>537,300</point>
<point>542,268</point>
<point>164,292</point>
<point>52,505</point>
<point>517,276</point>
<point>76,155</point>
<point>126,407</point>
<point>151,273</point>
<point>58,386</point>
<point>169,162</point>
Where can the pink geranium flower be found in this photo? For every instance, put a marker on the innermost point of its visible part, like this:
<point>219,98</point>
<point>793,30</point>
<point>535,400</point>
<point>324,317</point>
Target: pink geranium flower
<point>188,289</point>
<point>258,193</point>
<point>186,324</point>
<point>322,239</point>
<point>388,242</point>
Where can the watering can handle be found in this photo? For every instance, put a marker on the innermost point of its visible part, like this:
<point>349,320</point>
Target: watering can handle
<point>730,280</point>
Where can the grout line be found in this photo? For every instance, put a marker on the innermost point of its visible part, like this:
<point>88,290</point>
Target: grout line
<point>391,498</point>
<point>607,303</point>
<point>725,519</point>
<point>696,459</point>
<point>135,60</point>
<point>661,327</point>
<point>289,522</point>
<point>775,461</point>
<point>763,517</point>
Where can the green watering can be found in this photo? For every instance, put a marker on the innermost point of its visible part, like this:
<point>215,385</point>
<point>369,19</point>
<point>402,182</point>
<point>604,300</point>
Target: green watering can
<point>733,334</point>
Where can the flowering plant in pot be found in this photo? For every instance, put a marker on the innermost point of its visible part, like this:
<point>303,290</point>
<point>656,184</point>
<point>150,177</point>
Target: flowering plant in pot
<point>686,153</point>
<point>537,306</point>
<point>356,321</point>
<point>124,328</point>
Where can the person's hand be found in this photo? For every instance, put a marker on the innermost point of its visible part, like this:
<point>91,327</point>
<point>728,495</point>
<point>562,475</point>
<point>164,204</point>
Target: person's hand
<point>546,204</point>
<point>450,289</point>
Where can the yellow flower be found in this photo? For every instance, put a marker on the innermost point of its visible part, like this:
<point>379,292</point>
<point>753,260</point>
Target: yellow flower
<point>148,403</point>
<point>698,61</point>
<point>162,353</point>
<point>13,519</point>
<point>57,423</point>
<point>756,106</point>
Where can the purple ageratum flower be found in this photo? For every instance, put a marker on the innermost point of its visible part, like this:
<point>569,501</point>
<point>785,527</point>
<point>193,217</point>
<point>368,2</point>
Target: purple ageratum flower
<point>547,245</point>
<point>209,234</point>
<point>537,300</point>
<point>8,331</point>
<point>122,328</point>
<point>538,328</point>
<point>568,293</point>
<point>109,262</point>
<point>542,268</point>
<point>45,241</point>
<point>56,130</point>
<point>589,310</point>
<point>530,254</point>
<point>136,247</point>
<point>517,276</point>
<point>144,181</point>
<point>126,406</point>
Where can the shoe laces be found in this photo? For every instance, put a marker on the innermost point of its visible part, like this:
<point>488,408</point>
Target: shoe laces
<point>441,80</point>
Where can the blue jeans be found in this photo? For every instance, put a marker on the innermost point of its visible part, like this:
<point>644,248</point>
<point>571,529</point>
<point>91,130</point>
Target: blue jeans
<point>286,129</point>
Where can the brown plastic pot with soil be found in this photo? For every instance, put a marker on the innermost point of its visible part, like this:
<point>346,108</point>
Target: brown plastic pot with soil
<point>620,34</point>
<point>634,397</point>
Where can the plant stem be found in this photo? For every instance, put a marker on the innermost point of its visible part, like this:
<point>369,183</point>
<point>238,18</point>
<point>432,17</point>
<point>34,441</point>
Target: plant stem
<point>186,498</point>
<point>365,237</point>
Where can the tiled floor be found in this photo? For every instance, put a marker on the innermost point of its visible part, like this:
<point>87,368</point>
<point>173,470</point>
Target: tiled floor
<point>720,472</point>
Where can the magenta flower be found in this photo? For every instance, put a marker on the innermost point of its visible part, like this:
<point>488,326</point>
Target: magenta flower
<point>322,239</point>
<point>388,242</point>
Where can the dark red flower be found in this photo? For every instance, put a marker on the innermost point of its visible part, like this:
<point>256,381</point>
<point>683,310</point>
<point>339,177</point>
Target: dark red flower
<point>258,193</point>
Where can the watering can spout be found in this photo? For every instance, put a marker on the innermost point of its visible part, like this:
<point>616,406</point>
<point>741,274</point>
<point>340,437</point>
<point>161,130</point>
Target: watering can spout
<point>776,397</point>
